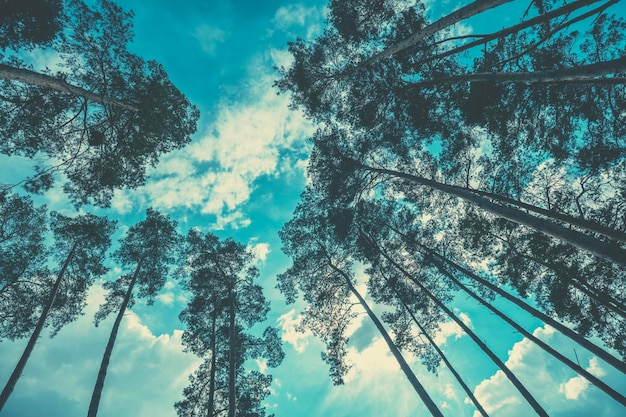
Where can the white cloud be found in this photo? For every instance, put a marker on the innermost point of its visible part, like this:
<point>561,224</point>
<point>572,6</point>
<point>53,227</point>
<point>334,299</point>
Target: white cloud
<point>289,323</point>
<point>260,250</point>
<point>216,174</point>
<point>166,298</point>
<point>209,37</point>
<point>451,329</point>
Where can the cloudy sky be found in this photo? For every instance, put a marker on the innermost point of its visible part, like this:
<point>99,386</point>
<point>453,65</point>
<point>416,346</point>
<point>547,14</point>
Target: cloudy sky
<point>241,177</point>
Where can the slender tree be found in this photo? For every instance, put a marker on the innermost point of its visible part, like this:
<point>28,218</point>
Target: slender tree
<point>148,247</point>
<point>83,241</point>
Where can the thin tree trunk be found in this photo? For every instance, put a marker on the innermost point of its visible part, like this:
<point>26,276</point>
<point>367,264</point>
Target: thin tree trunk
<point>102,373</point>
<point>568,8</point>
<point>605,250</point>
<point>596,350</point>
<point>211,406</point>
<point>417,386</point>
<point>21,364</point>
<point>516,382</point>
<point>31,77</point>
<point>232,397</point>
<point>465,12</point>
<point>574,221</point>
<point>557,355</point>
<point>584,74</point>
<point>454,372</point>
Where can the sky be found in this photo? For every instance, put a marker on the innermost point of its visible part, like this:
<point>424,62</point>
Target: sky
<point>241,177</point>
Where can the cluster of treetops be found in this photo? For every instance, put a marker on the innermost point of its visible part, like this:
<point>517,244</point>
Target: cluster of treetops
<point>485,165</point>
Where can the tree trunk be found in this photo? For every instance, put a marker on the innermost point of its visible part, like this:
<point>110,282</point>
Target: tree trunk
<point>31,77</point>
<point>557,355</point>
<point>605,250</point>
<point>211,405</point>
<point>568,8</point>
<point>584,74</point>
<point>465,12</point>
<point>574,221</point>
<point>102,373</point>
<point>417,386</point>
<point>445,360</point>
<point>19,368</point>
<point>596,350</point>
<point>516,382</point>
<point>232,357</point>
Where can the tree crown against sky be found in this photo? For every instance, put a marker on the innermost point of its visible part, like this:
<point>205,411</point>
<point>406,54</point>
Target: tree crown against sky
<point>100,115</point>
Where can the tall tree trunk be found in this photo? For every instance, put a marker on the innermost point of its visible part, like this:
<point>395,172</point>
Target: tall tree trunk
<point>417,386</point>
<point>465,12</point>
<point>232,357</point>
<point>19,368</point>
<point>605,250</point>
<point>31,77</point>
<point>596,350</point>
<point>574,221</point>
<point>211,405</point>
<point>566,9</point>
<point>557,355</point>
<point>509,374</point>
<point>584,74</point>
<point>443,357</point>
<point>102,373</point>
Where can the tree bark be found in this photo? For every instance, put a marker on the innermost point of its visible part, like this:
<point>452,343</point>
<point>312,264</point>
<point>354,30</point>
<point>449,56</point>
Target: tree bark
<point>97,391</point>
<point>417,386</point>
<point>568,8</point>
<point>509,374</point>
<point>465,12</point>
<point>211,405</point>
<point>31,77</point>
<point>574,221</point>
<point>557,355</point>
<point>21,364</point>
<point>596,350</point>
<point>584,74</point>
<point>232,397</point>
<point>605,250</point>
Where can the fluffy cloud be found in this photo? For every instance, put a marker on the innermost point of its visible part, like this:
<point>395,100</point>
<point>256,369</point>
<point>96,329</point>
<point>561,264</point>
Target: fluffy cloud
<point>288,324</point>
<point>216,174</point>
<point>63,370</point>
<point>555,387</point>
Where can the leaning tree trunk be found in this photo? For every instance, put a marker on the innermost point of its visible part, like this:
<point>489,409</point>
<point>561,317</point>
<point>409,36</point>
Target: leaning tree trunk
<point>548,349</point>
<point>31,77</point>
<point>605,250</point>
<point>584,74</point>
<point>465,12</point>
<point>102,373</point>
<point>596,350</point>
<point>19,368</point>
<point>509,374</point>
<point>566,218</point>
<point>566,9</point>
<point>417,386</point>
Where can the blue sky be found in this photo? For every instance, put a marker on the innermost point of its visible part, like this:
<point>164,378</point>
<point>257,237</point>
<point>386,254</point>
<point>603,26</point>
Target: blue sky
<point>241,177</point>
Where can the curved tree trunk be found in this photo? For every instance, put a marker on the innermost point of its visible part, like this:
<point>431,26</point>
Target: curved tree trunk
<point>605,250</point>
<point>557,355</point>
<point>509,374</point>
<point>31,77</point>
<point>102,373</point>
<point>417,386</point>
<point>19,368</point>
<point>465,12</point>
